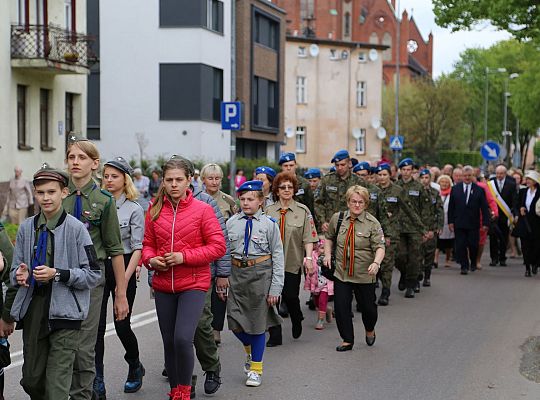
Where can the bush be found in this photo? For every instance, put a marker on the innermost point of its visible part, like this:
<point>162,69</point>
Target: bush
<point>11,230</point>
<point>536,150</point>
<point>455,157</point>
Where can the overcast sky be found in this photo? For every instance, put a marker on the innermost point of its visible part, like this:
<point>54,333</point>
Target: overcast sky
<point>448,45</point>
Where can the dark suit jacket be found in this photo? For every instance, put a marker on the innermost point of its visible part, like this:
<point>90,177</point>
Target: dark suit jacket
<point>467,215</point>
<point>532,218</point>
<point>508,193</point>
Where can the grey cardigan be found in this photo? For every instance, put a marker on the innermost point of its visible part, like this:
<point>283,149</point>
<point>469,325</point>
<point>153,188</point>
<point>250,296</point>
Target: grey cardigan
<point>74,257</point>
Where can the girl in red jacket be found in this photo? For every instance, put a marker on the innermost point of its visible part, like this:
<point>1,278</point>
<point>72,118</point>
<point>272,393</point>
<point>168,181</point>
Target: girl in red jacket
<point>181,239</point>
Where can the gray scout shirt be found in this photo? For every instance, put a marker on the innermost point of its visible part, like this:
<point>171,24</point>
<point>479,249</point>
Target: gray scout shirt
<point>265,240</point>
<point>131,219</point>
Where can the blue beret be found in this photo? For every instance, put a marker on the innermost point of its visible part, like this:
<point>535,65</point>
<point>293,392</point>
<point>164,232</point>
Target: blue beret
<point>405,162</point>
<point>251,186</point>
<point>383,167</point>
<point>286,157</point>
<point>425,171</point>
<point>362,166</point>
<point>340,155</point>
<point>354,161</point>
<point>266,170</point>
<point>312,173</point>
<point>373,170</point>
<point>332,169</point>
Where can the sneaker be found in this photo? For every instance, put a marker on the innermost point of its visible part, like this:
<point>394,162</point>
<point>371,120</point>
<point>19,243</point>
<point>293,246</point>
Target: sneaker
<point>212,382</point>
<point>253,379</point>
<point>319,325</point>
<point>247,364</point>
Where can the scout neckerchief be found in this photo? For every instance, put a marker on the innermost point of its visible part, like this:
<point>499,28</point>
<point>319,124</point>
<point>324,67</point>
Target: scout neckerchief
<point>78,208</point>
<point>40,252</point>
<point>349,245</point>
<point>282,213</point>
<point>500,202</point>
<point>247,234</point>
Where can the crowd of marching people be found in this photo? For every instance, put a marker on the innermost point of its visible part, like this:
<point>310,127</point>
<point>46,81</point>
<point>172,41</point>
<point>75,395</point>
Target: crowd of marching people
<point>246,259</point>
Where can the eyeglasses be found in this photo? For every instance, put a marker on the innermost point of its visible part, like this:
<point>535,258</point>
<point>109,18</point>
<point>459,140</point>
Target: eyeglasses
<point>286,187</point>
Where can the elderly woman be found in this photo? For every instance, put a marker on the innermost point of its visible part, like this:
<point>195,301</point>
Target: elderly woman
<point>298,234</point>
<point>528,225</point>
<point>445,241</point>
<point>142,184</point>
<point>266,175</point>
<point>359,250</point>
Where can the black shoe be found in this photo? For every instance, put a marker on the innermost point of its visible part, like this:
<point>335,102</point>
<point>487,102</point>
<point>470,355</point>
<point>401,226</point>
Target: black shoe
<point>427,282</point>
<point>164,373</point>
<point>409,294</point>
<point>296,329</point>
<point>435,265</point>
<point>283,311</point>
<point>535,269</point>
<point>344,347</point>
<point>417,287</point>
<point>493,263</point>
<point>464,272</point>
<point>473,268</point>
<point>273,343</point>
<point>370,340</point>
<point>212,382</point>
<point>401,285</point>
<point>503,263</point>
<point>383,300</point>
<point>135,378</point>
<point>528,273</point>
<point>275,338</point>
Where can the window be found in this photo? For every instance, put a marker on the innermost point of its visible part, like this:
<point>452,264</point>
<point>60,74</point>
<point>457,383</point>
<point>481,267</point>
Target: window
<point>22,12</point>
<point>204,85</point>
<point>44,134</point>
<point>300,139</point>
<point>347,24</point>
<point>361,94</point>
<point>21,118</point>
<point>301,90</point>
<point>307,8</point>
<point>265,104</point>
<point>333,54</point>
<point>374,38</point>
<point>70,107</point>
<point>214,15</point>
<point>302,51</point>
<point>387,41</point>
<point>69,15</point>
<point>362,57</point>
<point>360,143</point>
<point>266,31</point>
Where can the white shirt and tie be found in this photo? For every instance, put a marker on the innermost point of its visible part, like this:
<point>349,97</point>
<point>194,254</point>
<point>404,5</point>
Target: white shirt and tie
<point>467,191</point>
<point>500,184</point>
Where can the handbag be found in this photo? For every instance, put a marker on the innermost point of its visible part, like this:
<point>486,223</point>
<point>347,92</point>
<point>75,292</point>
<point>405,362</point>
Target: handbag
<point>5,358</point>
<point>328,273</point>
<point>522,228</point>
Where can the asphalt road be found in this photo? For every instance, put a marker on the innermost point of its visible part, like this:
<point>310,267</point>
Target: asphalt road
<point>459,339</point>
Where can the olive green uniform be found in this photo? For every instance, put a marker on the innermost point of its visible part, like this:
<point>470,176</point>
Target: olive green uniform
<point>409,259</point>
<point>396,208</point>
<point>100,218</point>
<point>434,222</point>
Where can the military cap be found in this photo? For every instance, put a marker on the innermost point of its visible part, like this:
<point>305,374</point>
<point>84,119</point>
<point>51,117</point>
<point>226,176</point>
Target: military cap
<point>405,162</point>
<point>362,166</point>
<point>312,173</point>
<point>47,173</point>
<point>340,155</point>
<point>265,170</point>
<point>251,186</point>
<point>425,171</point>
<point>354,161</point>
<point>286,157</point>
<point>121,164</point>
<point>382,167</point>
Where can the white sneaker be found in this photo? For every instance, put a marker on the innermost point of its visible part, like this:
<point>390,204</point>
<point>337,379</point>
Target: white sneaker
<point>247,364</point>
<point>253,379</point>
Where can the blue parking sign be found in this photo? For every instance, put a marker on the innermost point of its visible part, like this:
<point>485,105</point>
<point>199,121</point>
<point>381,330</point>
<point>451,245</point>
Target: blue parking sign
<point>231,115</point>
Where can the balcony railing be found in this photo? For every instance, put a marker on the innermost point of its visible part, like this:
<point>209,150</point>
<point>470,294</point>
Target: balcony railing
<point>51,43</point>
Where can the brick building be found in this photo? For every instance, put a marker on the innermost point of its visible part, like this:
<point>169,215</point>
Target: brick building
<point>366,21</point>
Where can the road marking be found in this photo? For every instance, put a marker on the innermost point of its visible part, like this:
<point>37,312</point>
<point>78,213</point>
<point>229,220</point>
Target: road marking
<point>137,321</point>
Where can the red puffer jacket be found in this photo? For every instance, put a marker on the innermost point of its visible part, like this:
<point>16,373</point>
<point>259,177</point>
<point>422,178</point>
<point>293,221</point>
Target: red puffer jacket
<point>192,229</point>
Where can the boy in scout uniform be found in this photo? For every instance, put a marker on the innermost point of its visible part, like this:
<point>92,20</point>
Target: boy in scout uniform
<point>409,258</point>
<point>396,207</point>
<point>434,223</point>
<point>95,208</point>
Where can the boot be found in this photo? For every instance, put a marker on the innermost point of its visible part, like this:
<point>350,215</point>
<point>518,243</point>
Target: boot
<point>134,379</point>
<point>383,300</point>
<point>528,271</point>
<point>535,269</point>
<point>99,388</point>
<point>417,287</point>
<point>320,322</point>
<point>411,284</point>
<point>409,293</point>
<point>427,277</point>
<point>401,285</point>
<point>275,338</point>
<point>282,310</point>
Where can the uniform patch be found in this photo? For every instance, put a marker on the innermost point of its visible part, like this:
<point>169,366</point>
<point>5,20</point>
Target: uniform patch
<point>414,193</point>
<point>300,192</point>
<point>433,201</point>
<point>331,189</point>
<point>373,196</point>
<point>92,257</point>
<point>391,200</point>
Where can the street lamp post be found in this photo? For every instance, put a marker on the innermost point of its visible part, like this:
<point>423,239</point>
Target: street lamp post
<point>396,105</point>
<point>486,100</point>
<point>507,135</point>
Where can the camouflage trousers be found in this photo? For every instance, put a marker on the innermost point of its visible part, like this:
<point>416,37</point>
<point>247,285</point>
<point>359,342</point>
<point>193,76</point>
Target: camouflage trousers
<point>428,253</point>
<point>387,265</point>
<point>409,259</point>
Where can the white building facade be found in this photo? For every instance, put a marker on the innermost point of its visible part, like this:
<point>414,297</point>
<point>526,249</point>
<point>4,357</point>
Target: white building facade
<point>165,67</point>
<point>44,61</point>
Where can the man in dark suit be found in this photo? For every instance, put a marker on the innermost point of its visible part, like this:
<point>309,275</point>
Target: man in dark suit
<point>467,201</point>
<point>498,236</point>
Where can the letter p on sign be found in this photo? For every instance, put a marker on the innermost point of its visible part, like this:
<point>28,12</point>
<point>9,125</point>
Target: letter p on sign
<point>231,114</point>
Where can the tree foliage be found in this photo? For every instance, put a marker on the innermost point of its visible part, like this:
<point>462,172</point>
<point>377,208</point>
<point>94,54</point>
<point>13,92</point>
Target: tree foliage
<point>519,17</point>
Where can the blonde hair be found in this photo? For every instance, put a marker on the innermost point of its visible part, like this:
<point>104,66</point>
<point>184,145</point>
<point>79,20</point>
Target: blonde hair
<point>88,148</point>
<point>443,177</point>
<point>130,190</point>
<point>360,190</point>
<point>174,163</point>
<point>211,169</point>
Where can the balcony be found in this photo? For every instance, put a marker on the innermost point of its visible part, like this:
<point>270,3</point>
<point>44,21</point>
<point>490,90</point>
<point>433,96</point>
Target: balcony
<point>51,49</point>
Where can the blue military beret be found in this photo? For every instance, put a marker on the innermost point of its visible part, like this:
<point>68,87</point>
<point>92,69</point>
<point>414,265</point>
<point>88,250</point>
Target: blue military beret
<point>354,161</point>
<point>340,155</point>
<point>332,169</point>
<point>373,170</point>
<point>265,170</point>
<point>251,186</point>
<point>312,173</point>
<point>405,162</point>
<point>286,157</point>
<point>425,171</point>
<point>382,167</point>
<point>362,166</point>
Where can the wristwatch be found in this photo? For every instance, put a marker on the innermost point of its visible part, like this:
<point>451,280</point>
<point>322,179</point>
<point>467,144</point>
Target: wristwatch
<point>57,276</point>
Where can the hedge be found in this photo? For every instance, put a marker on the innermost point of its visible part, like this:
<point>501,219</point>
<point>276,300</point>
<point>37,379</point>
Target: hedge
<point>455,157</point>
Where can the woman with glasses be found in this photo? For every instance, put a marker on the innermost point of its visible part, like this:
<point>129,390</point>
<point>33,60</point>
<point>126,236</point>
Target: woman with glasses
<point>359,252</point>
<point>298,234</point>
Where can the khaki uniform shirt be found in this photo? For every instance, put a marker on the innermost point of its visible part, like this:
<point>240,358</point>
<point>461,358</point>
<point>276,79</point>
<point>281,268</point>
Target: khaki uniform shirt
<point>368,238</point>
<point>226,204</point>
<point>299,231</point>
<point>100,218</point>
<point>20,194</point>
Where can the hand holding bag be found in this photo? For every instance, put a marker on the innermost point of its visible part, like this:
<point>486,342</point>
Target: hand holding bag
<point>328,273</point>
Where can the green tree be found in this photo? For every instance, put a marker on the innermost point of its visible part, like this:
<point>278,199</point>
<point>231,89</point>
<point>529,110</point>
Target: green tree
<point>519,17</point>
